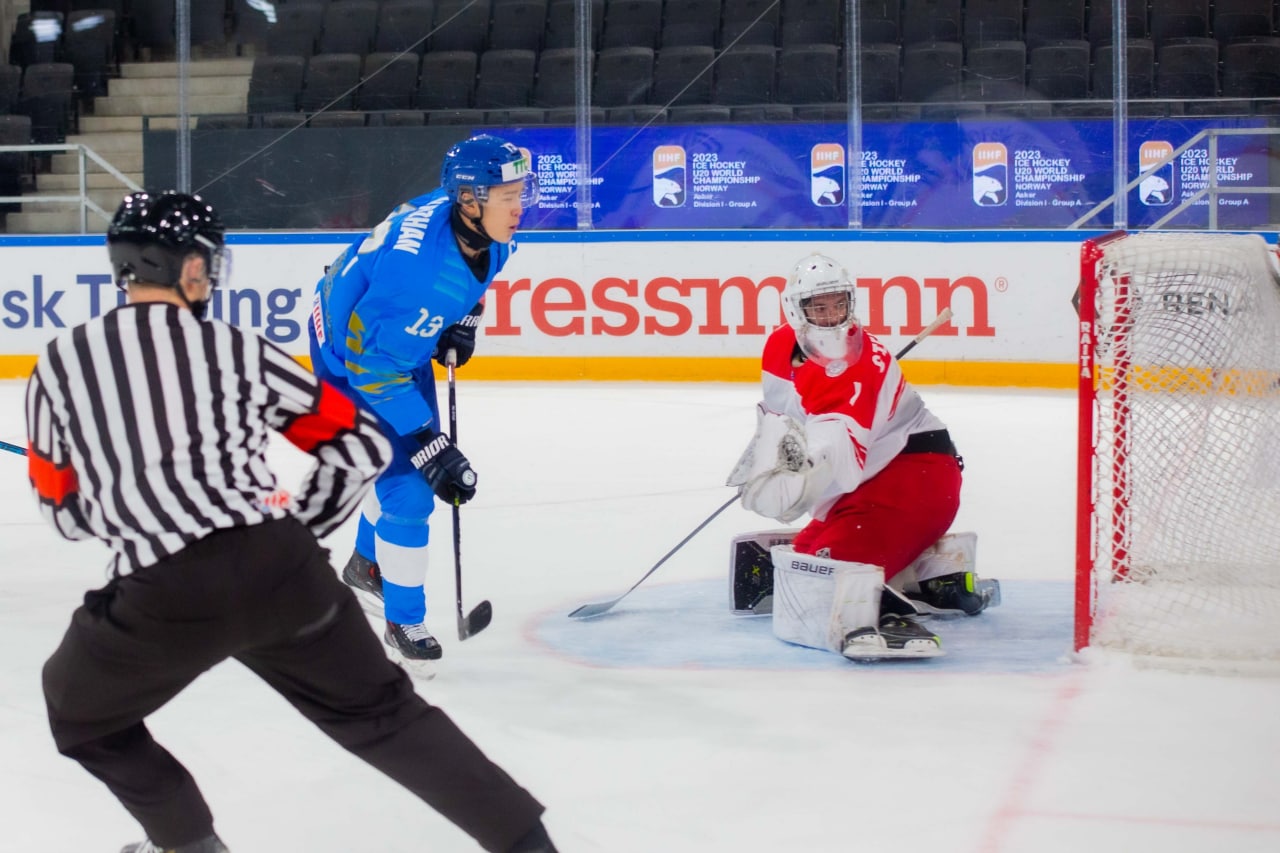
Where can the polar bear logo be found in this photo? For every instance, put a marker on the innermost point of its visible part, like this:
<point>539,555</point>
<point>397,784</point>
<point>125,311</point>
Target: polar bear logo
<point>826,190</point>
<point>667,193</point>
<point>987,190</point>
<point>1154,190</point>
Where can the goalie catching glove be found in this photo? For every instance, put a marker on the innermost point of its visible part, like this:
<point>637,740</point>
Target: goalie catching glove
<point>460,337</point>
<point>775,475</point>
<point>787,468</point>
<point>446,470</point>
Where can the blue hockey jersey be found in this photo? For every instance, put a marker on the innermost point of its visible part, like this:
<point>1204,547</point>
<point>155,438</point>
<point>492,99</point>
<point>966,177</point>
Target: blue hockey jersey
<point>382,304</point>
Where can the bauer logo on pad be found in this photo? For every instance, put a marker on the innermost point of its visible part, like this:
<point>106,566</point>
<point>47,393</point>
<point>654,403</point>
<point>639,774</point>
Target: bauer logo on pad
<point>826,174</point>
<point>668,176</point>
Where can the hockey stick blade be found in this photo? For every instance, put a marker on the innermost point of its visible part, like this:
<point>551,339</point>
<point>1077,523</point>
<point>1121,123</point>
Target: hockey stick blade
<point>477,620</point>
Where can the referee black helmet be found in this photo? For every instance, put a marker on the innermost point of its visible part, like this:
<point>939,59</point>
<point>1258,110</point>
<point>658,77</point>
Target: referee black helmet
<point>151,236</point>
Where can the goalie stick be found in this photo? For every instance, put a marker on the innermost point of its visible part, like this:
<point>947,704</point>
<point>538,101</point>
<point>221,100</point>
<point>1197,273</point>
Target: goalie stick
<point>480,616</point>
<point>587,611</point>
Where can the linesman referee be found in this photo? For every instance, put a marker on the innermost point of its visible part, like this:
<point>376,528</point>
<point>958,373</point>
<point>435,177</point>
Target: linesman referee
<point>147,428</point>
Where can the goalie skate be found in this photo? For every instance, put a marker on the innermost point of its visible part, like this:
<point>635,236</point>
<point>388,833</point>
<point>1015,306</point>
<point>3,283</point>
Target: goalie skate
<point>959,594</point>
<point>896,637</point>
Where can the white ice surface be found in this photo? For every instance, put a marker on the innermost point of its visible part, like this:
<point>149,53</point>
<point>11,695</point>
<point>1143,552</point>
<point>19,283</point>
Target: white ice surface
<point>668,725</point>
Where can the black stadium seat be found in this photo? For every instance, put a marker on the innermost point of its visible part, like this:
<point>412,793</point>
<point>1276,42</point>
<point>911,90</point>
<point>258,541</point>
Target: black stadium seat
<point>1140,69</point>
<point>517,24</point>
<point>624,76</point>
<point>1172,19</point>
<point>690,22</point>
<point>807,74</point>
<point>446,80</point>
<point>749,22</point>
<point>1054,20</point>
<point>744,74</point>
<point>930,21</point>
<point>1060,70</point>
<point>992,20</point>
<point>1251,68</point>
<point>460,25</point>
<point>330,82</point>
<point>506,79</point>
<point>275,83</point>
<point>47,98</point>
<point>881,73</point>
<point>348,27</point>
<point>1187,68</point>
<point>403,24</point>
<point>683,75</point>
<point>996,71</point>
<point>296,29</point>
<point>931,71</point>
<point>555,85</point>
<point>389,81</point>
<point>631,23</point>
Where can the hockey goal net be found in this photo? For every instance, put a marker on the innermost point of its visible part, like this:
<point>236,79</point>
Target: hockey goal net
<point>1178,538</point>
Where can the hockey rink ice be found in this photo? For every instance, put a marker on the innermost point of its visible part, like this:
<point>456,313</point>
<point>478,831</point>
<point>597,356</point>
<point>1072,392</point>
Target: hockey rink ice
<point>669,724</point>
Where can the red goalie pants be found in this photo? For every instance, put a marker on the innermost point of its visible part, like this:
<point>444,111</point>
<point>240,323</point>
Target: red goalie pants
<point>890,519</point>
<point>267,597</point>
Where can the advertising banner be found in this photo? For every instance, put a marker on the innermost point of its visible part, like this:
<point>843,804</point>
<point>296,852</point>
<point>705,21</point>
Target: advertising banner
<point>970,175</point>
<point>693,299</point>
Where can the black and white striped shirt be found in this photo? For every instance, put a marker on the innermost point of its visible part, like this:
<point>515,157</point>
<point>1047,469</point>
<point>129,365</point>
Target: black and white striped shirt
<point>148,427</point>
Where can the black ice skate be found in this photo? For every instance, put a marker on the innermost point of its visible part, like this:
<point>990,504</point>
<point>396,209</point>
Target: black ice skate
<point>897,637</point>
<point>954,592</point>
<point>210,844</point>
<point>412,642</point>
<point>363,574</point>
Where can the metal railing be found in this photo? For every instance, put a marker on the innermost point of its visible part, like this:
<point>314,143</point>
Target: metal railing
<point>86,204</point>
<point>1212,189</point>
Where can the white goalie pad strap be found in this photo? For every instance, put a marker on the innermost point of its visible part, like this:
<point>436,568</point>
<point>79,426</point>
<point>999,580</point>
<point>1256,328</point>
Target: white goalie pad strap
<point>954,552</point>
<point>808,611</point>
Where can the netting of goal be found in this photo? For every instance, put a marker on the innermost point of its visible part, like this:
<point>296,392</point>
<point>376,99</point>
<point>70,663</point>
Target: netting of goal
<point>1178,543</point>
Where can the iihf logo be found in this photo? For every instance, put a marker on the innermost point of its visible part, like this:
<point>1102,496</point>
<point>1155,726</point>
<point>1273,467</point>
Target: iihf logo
<point>668,175</point>
<point>990,174</point>
<point>826,174</point>
<point>1156,188</point>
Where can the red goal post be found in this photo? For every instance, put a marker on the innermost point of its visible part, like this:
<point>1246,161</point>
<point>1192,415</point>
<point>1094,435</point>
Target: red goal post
<point>1178,492</point>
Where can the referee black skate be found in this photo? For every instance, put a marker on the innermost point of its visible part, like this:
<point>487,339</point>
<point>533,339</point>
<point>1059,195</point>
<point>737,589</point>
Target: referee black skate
<point>147,428</point>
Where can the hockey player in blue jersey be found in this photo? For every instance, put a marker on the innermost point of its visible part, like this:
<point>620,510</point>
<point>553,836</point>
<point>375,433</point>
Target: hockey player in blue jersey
<point>406,293</point>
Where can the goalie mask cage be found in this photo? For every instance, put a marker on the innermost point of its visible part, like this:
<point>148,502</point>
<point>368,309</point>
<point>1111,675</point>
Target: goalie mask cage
<point>1178,522</point>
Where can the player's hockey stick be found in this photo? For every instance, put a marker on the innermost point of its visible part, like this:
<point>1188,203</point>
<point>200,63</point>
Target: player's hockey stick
<point>586,611</point>
<point>13,448</point>
<point>480,616</point>
<point>928,330</point>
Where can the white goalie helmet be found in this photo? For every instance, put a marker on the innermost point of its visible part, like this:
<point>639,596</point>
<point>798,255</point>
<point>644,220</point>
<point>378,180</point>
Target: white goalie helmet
<point>818,302</point>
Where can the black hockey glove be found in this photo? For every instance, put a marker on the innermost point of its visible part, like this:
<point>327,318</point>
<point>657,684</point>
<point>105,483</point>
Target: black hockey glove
<point>447,471</point>
<point>460,337</point>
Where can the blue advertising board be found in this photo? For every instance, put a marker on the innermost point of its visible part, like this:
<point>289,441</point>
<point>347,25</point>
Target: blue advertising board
<point>972,175</point>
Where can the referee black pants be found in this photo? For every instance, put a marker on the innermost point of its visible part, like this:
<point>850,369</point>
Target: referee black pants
<point>266,596</point>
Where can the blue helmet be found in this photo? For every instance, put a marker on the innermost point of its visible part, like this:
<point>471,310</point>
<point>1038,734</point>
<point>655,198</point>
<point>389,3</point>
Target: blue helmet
<point>485,161</point>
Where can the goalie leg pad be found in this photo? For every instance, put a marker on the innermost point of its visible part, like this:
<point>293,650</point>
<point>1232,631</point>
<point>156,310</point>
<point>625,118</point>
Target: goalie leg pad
<point>751,570</point>
<point>818,600</point>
